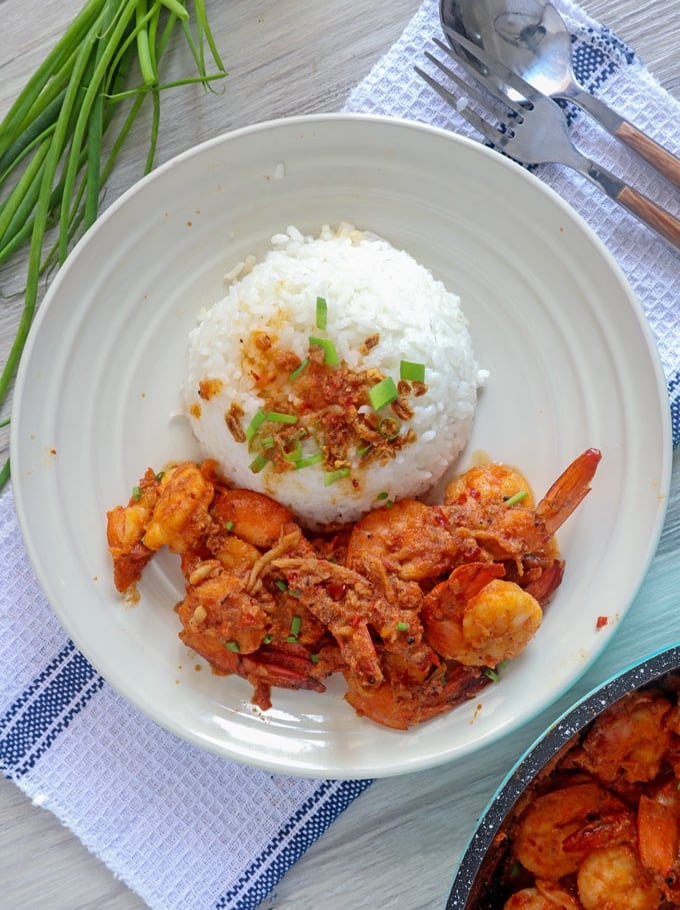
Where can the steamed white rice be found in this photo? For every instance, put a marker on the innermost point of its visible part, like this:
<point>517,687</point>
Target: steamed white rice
<point>371,289</point>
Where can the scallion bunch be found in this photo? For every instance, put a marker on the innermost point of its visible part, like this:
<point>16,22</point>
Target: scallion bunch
<point>53,161</point>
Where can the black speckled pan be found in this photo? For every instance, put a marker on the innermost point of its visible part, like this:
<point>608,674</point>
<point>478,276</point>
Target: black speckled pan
<point>475,886</point>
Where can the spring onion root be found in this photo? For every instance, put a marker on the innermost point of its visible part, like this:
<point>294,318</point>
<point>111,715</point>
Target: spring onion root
<point>53,166</point>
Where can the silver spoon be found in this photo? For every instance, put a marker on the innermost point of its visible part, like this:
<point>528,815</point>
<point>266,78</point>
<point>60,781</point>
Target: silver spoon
<point>530,38</point>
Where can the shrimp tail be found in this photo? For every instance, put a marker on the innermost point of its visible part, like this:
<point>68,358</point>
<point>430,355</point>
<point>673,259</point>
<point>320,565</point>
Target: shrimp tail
<point>568,491</point>
<point>543,587</point>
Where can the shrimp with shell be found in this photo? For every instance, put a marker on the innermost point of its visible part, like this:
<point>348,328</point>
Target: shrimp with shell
<point>542,895</point>
<point>600,828</point>
<point>488,515</point>
<point>412,604</point>
<point>477,618</point>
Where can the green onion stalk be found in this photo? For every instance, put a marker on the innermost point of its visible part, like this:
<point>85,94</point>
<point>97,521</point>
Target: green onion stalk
<point>53,163</point>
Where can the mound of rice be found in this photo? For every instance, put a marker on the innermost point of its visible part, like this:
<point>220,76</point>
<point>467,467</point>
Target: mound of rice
<point>251,355</point>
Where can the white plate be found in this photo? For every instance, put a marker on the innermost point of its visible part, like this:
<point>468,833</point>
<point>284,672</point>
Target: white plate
<point>572,366</point>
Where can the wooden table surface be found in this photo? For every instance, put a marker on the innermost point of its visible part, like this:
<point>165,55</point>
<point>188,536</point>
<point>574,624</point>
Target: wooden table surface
<point>396,846</point>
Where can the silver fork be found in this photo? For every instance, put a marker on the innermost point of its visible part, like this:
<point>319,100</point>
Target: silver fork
<point>533,130</point>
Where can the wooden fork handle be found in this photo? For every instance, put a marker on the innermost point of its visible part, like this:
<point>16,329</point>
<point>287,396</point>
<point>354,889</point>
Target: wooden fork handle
<point>659,157</point>
<point>651,214</point>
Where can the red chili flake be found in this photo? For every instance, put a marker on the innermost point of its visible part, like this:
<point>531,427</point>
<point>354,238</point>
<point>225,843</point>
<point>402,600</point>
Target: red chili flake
<point>602,621</point>
<point>337,590</point>
<point>439,516</point>
<point>475,494</point>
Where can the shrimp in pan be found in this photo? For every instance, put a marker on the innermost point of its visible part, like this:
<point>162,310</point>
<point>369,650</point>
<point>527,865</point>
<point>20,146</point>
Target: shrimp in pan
<point>599,828</point>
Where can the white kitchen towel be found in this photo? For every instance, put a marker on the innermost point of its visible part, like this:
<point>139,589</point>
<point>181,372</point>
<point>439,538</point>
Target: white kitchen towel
<point>610,70</point>
<point>183,828</point>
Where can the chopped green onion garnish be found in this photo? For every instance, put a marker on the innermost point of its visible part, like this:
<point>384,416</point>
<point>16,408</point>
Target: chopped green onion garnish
<point>292,639</point>
<point>309,460</point>
<point>294,454</point>
<point>315,658</point>
<point>518,497</point>
<point>298,369</point>
<point>279,417</point>
<point>229,525</point>
<point>136,494</point>
<point>383,495</point>
<point>267,640</point>
<point>295,624</point>
<point>330,353</point>
<point>413,372</point>
<point>363,450</point>
<point>258,463</point>
<point>267,442</point>
<point>321,313</point>
<point>402,627</point>
<point>282,585</point>
<point>331,477</point>
<point>383,393</point>
<point>493,676</point>
<point>255,424</point>
<point>389,427</point>
<point>159,476</point>
<point>232,646</point>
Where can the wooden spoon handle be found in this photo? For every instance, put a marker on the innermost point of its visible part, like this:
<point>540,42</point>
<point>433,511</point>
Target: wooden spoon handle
<point>659,157</point>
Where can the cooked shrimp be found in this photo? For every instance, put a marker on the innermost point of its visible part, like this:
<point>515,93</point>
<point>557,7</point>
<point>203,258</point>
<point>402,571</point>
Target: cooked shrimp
<point>253,517</point>
<point>481,500</point>
<point>219,616</point>
<point>615,834</point>
<point>235,620</point>
<point>627,743</point>
<point>180,515</point>
<point>344,602</point>
<point>288,667</point>
<point>478,619</point>
<point>410,540</point>
<point>613,879</point>
<point>658,820</point>
<point>409,604</point>
<point>415,691</point>
<point>489,484</point>
<point>125,529</point>
<point>546,840</point>
<point>415,542</point>
<point>269,639</point>
<point>543,896</point>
